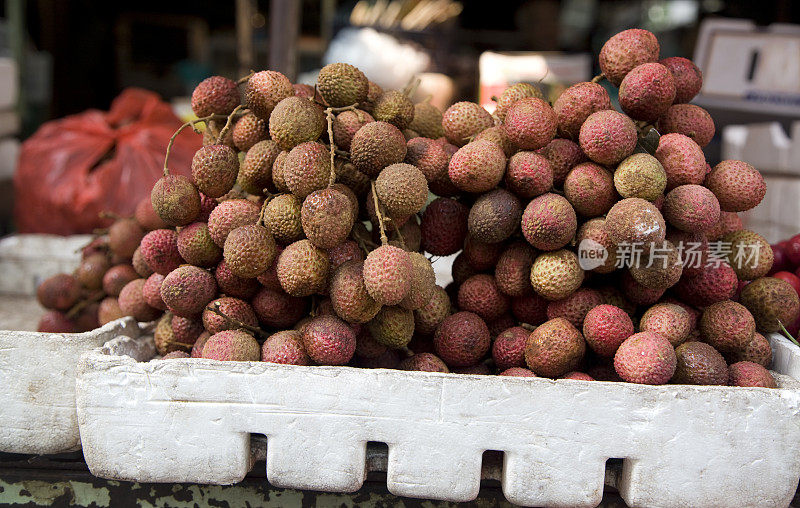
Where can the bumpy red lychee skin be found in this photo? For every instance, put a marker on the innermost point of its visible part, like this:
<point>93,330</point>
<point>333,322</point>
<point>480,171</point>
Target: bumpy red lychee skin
<point>478,166</point>
<point>277,309</point>
<point>673,322</point>
<point>691,208</point>
<point>264,90</point>
<point>59,292</point>
<point>647,91</point>
<point>529,174</point>
<point>230,215</point>
<point>758,350</point>
<point>605,328</point>
<point>480,256</point>
<point>248,131</point>
<point>688,78</point>
<point>55,321</point>
<point>234,308</point>
<point>530,309</point>
<point>737,185</point>
<point>463,120</point>
<point>607,137</point>
<point>635,220</point>
<point>344,252</point>
<point>750,374</point>
<point>196,247</point>
<point>215,96</point>
<point>626,50</point>
<point>428,318</point>
<point>108,310</point>
<point>728,223</point>
<point>728,326</point>
<point>549,222</point>
<point>444,226</point>
<point>132,302</point>
<point>575,307</point>
<point>151,291</point>
<point>479,294</point>
<point>366,345</point>
<point>329,341</point>
<point>285,347</point>
<point>508,349</point>
<point>530,123</point>
<point>578,376</point>
<point>682,159</point>
<point>576,103</point>
<point>517,372</point>
<point>424,362</point>
<point>185,330</point>
<point>590,189</point>
<point>214,169</point>
<point>462,339</point>
<point>554,348</point>
<point>513,270</point>
<point>187,290</point>
<point>232,345</point>
<point>713,284</point>
<point>140,265</point>
<point>638,294</point>
<point>346,124</point>
<point>233,285</point>
<point>428,156</point>
<point>159,249</point>
<point>645,358</point>
<point>387,274</point>
<point>689,120</point>
<point>563,155</point>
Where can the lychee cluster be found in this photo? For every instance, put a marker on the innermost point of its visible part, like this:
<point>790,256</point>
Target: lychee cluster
<point>307,231</point>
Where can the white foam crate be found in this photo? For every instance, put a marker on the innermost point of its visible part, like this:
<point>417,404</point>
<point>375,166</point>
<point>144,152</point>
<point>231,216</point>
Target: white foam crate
<point>37,386</point>
<point>191,420</point>
<point>26,260</point>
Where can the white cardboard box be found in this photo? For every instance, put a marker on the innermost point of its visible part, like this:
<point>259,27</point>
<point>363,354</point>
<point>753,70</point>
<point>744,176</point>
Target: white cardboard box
<point>37,386</point>
<point>191,420</point>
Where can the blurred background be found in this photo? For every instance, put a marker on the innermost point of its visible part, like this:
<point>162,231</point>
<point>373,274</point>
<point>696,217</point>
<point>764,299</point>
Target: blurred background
<point>64,57</point>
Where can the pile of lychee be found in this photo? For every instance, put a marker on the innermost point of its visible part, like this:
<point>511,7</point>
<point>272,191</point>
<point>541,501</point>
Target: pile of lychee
<point>310,228</point>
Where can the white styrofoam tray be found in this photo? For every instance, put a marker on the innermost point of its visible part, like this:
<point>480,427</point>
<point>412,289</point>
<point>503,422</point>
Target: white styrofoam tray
<point>37,386</point>
<point>191,420</point>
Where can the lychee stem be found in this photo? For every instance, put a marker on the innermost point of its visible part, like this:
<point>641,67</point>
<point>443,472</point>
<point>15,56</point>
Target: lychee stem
<point>527,326</point>
<point>329,118</point>
<point>110,215</point>
<point>215,309</point>
<point>180,129</point>
<point>384,240</point>
<point>787,334</point>
<point>494,98</point>
<point>400,237</point>
<point>598,78</point>
<point>228,122</point>
<point>412,86</point>
<point>245,79</point>
<point>80,306</point>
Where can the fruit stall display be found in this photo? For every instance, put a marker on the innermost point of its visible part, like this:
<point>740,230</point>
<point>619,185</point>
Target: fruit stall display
<point>306,237</point>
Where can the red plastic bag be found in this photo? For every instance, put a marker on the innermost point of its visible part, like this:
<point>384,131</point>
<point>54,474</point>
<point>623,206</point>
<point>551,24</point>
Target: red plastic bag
<point>72,169</point>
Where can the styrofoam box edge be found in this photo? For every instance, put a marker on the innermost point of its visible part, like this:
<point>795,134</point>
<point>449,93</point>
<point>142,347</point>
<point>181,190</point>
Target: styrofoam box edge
<point>26,260</point>
<point>191,420</point>
<point>37,386</point>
